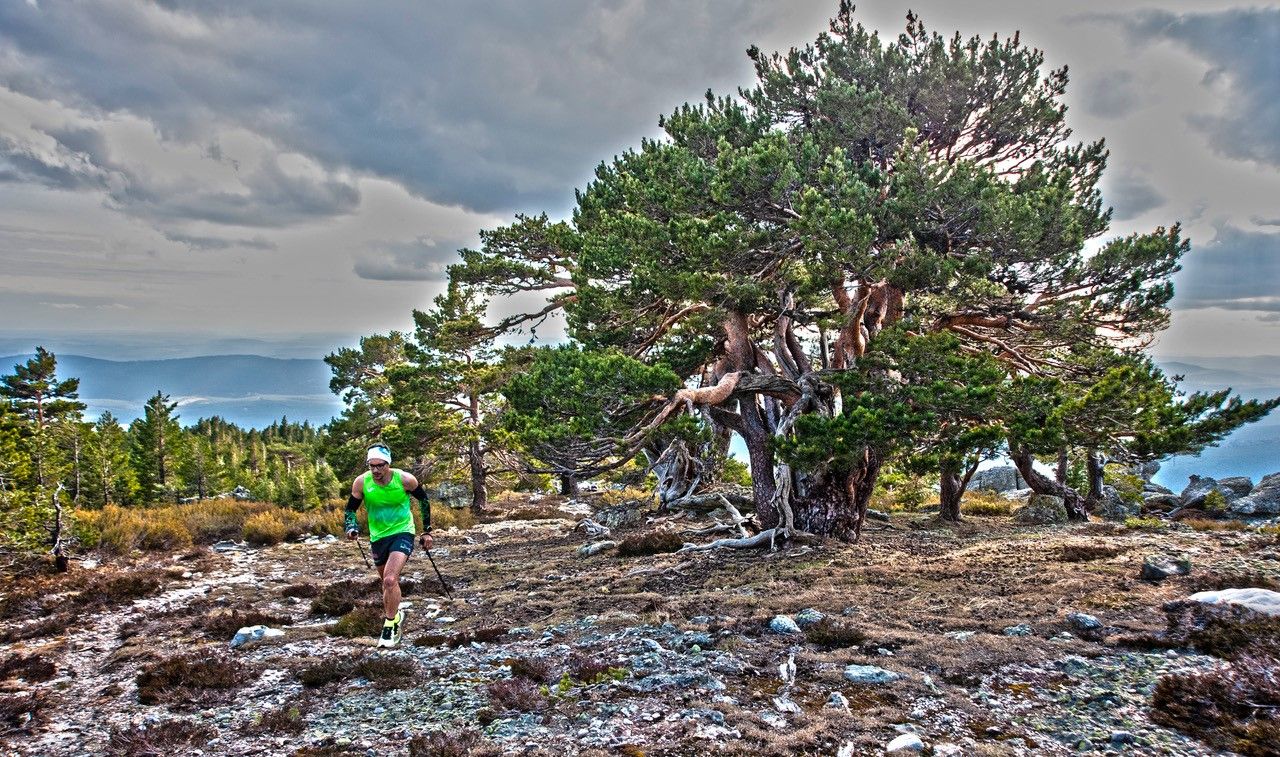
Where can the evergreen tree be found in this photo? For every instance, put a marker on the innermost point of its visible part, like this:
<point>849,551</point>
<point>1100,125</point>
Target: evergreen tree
<point>156,447</point>
<point>33,389</point>
<point>110,479</point>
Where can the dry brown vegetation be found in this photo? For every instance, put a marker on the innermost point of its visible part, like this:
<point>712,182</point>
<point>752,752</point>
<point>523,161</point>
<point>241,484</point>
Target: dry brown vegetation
<point>159,739</point>
<point>898,592</point>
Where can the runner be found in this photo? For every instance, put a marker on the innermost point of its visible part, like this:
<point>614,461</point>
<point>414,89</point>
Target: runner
<point>385,492</point>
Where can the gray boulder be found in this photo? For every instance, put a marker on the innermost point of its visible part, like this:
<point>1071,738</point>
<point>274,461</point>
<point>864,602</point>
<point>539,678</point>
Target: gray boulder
<point>1199,487</point>
<point>1042,509</point>
<point>1146,471</point>
<point>1017,495</point>
<point>1161,502</point>
<point>1150,488</point>
<point>1264,499</point>
<point>253,633</point>
<point>1160,567</point>
<point>241,494</point>
<point>1264,601</point>
<point>783,624</point>
<point>869,674</point>
<point>1001,478</point>
<point>1241,485</point>
<point>1113,508</point>
<point>452,493</point>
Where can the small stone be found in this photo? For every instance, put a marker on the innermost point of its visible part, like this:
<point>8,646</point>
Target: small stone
<point>907,742</point>
<point>782,704</point>
<point>869,674</point>
<point>1022,629</point>
<point>960,635</point>
<point>947,750</point>
<point>808,617</point>
<point>783,624</point>
<point>1160,567</point>
<point>253,633</point>
<point>838,701</point>
<point>1122,737</point>
<point>1084,622</point>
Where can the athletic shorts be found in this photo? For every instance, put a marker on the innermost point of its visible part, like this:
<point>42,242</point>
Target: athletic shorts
<point>382,548</point>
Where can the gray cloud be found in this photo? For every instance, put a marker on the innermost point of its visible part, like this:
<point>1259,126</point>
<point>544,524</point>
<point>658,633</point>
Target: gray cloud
<point>1112,94</point>
<point>196,242</point>
<point>490,110</point>
<point>421,259</point>
<point>1131,195</point>
<point>1242,47</point>
<point>1236,270</point>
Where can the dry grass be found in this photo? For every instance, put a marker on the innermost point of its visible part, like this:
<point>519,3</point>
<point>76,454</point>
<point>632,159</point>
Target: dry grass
<point>650,543</point>
<point>189,678</point>
<point>462,742</point>
<point>23,713</point>
<point>830,633</point>
<point>340,597</point>
<point>361,622</point>
<point>325,671</point>
<point>1086,552</point>
<point>119,530</point>
<point>1206,524</point>
<point>1230,708</point>
<point>443,517</point>
<point>519,694</point>
<point>461,638</point>
<point>223,625</point>
<point>31,668</point>
<point>284,719</point>
<point>265,529</point>
<point>986,504</point>
<point>159,739</point>
<point>534,669</point>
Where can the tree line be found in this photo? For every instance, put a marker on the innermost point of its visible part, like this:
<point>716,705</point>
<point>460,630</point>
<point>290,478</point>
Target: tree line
<point>48,449</point>
<point>886,254</point>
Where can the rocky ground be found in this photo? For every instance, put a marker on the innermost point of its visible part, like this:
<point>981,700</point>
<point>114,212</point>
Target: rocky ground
<point>984,638</point>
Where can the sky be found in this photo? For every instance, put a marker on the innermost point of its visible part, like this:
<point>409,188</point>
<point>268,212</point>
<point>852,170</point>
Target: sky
<point>184,178</point>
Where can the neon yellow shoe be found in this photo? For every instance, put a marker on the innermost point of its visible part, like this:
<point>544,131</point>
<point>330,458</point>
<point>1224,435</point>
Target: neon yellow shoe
<point>391,630</point>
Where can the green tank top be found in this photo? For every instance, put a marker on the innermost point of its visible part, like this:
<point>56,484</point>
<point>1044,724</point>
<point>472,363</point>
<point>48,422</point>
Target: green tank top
<point>388,507</point>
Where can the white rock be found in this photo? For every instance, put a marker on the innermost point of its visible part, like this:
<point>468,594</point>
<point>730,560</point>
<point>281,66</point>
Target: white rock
<point>907,742</point>
<point>253,633</point>
<point>782,704</point>
<point>869,674</point>
<point>1259,600</point>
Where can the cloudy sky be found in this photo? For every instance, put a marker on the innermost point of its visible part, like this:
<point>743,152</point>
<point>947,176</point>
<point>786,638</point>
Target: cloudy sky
<point>179,178</point>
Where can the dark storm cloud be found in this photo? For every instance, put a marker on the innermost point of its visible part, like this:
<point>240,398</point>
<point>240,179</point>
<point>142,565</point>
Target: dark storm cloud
<point>421,259</point>
<point>1242,47</point>
<point>1112,94</point>
<point>485,105</point>
<point>1236,270</point>
<point>1131,195</point>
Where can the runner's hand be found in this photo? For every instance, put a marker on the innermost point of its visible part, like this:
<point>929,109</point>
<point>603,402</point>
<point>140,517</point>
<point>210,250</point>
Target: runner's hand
<point>425,540</point>
<point>352,535</point>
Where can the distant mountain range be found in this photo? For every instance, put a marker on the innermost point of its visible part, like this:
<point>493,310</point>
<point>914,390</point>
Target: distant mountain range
<point>248,390</point>
<point>253,392</point>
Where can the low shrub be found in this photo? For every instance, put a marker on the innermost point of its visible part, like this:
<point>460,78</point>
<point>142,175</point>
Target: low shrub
<point>1086,552</point>
<point>544,512</point>
<point>285,719</point>
<point>22,713</point>
<point>516,694</point>
<point>31,668</point>
<point>1214,502</point>
<point>459,742</point>
<point>265,528</point>
<point>1205,524</point>
<point>1146,524</point>
<point>163,738</point>
<point>531,668</point>
<point>650,543</point>
<point>300,590</point>
<point>443,517</point>
<point>361,622</point>
<point>461,638</point>
<point>340,597</point>
<point>188,678</point>
<point>387,672</point>
<point>630,494</point>
<point>830,633</point>
<point>326,671</point>
<point>1230,707</point>
<point>223,625</point>
<point>986,505</point>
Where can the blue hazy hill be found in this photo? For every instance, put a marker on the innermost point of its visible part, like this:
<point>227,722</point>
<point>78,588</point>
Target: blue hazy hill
<point>248,390</point>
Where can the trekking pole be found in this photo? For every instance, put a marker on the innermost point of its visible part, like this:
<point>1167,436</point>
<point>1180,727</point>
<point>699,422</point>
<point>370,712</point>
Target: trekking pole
<point>437,570</point>
<point>362,554</point>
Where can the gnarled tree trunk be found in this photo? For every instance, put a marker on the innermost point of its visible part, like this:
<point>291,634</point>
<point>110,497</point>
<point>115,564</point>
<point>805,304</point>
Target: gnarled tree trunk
<point>1041,484</point>
<point>953,482</point>
<point>834,503</point>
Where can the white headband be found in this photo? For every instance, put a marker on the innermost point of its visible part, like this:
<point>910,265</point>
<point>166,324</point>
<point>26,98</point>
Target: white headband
<point>378,453</point>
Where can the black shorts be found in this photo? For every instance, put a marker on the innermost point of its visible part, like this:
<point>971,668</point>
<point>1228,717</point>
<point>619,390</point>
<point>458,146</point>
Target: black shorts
<point>382,548</point>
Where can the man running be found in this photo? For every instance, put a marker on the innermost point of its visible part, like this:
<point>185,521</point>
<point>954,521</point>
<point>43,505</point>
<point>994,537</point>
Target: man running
<point>385,493</point>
